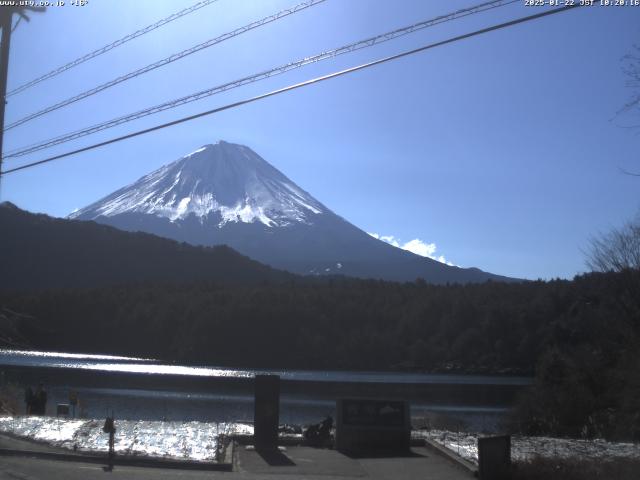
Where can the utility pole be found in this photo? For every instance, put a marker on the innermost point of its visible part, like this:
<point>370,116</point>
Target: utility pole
<point>6,21</point>
<point>6,17</point>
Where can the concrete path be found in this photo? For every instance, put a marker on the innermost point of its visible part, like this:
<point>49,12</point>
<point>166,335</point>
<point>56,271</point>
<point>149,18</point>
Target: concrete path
<point>306,462</point>
<point>14,468</point>
<point>14,443</point>
<point>289,463</point>
<point>295,462</point>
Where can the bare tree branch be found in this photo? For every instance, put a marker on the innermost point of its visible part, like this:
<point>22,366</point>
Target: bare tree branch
<point>617,250</point>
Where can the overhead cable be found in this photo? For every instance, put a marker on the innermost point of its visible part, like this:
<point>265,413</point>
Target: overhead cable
<point>111,46</point>
<point>296,86</point>
<point>165,61</point>
<point>368,42</point>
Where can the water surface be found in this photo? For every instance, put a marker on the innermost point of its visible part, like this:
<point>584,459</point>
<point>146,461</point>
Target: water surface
<point>221,402</point>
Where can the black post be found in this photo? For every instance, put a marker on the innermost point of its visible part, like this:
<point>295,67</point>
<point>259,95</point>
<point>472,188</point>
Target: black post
<point>267,411</point>
<point>494,457</point>
<point>6,16</point>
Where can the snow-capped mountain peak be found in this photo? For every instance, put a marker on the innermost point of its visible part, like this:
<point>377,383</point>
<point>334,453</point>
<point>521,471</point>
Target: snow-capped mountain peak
<point>223,179</point>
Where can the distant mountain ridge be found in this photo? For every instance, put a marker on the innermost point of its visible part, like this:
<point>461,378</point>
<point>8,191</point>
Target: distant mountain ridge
<point>225,193</point>
<point>41,252</point>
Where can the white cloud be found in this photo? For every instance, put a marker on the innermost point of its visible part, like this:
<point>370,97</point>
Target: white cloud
<point>416,246</point>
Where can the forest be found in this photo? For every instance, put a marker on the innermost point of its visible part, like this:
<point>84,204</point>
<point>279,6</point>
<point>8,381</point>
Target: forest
<point>580,338</point>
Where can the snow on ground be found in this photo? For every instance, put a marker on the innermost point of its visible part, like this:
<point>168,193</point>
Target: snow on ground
<point>522,447</point>
<point>200,440</point>
<point>180,440</point>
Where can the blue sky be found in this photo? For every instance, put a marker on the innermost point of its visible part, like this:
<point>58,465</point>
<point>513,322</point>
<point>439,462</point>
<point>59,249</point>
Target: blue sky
<point>503,150</point>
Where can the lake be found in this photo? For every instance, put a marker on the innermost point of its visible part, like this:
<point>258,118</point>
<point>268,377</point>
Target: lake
<point>146,389</point>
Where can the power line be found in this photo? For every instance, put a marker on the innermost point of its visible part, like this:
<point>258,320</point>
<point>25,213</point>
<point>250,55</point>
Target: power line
<point>166,61</point>
<point>13,30</point>
<point>296,86</point>
<point>368,42</point>
<point>111,46</point>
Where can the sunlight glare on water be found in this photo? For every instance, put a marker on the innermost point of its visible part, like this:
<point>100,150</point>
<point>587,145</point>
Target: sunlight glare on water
<point>164,369</point>
<point>75,356</point>
<point>112,363</point>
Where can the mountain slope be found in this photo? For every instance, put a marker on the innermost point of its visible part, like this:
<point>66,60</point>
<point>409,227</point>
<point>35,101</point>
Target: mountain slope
<point>39,251</point>
<point>228,194</point>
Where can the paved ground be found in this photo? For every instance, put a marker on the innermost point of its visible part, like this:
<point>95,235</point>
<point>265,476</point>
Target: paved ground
<point>291,463</point>
<point>306,462</point>
<point>14,443</point>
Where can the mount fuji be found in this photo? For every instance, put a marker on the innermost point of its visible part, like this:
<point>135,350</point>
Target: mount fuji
<point>225,193</point>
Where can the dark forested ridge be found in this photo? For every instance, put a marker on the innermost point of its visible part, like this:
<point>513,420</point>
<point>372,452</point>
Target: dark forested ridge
<point>38,251</point>
<point>340,323</point>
